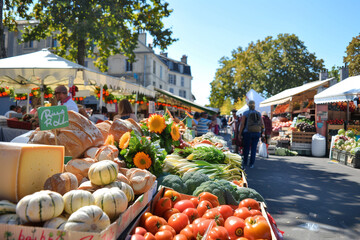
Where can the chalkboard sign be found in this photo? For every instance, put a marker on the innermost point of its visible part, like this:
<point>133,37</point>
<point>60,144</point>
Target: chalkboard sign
<point>53,117</point>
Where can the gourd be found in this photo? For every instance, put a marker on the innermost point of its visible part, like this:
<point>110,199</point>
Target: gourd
<point>40,206</point>
<point>126,188</point>
<point>11,219</point>
<point>103,172</point>
<point>7,207</point>
<point>76,199</point>
<point>88,219</point>
<point>112,201</point>
<point>56,223</point>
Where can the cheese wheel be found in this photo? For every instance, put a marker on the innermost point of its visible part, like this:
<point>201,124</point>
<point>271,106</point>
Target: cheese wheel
<point>25,168</point>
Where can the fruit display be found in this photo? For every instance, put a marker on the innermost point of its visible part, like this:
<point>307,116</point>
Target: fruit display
<point>281,108</point>
<point>305,125</point>
<point>278,125</point>
<point>346,141</point>
<point>341,106</point>
<point>335,122</point>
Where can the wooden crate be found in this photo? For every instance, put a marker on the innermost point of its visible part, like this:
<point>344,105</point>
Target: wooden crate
<point>353,161</point>
<point>357,127</point>
<point>343,157</point>
<point>302,137</point>
<point>335,154</point>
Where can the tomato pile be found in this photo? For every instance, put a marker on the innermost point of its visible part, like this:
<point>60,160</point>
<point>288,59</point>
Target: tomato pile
<point>190,219</point>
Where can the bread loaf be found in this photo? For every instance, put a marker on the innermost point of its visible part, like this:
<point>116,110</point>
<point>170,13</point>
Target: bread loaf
<point>119,127</point>
<point>141,180</point>
<point>61,182</point>
<point>106,152</point>
<point>76,138</point>
<point>79,166</point>
<point>88,186</point>
<point>104,127</point>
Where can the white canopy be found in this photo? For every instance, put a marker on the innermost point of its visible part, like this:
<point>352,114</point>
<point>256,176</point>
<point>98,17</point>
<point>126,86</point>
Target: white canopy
<point>287,94</point>
<point>45,68</point>
<point>343,91</point>
<point>253,95</point>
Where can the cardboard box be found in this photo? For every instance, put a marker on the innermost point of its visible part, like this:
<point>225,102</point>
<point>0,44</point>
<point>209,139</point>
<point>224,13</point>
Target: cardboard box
<point>353,161</point>
<point>343,157</point>
<point>21,232</point>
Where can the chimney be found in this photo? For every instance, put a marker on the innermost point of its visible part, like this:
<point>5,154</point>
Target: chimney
<point>184,59</point>
<point>344,73</point>
<point>323,75</point>
<point>142,38</point>
<point>164,54</point>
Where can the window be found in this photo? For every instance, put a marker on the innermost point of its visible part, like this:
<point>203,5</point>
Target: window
<point>172,79</point>
<point>171,90</point>
<point>181,68</point>
<point>161,72</point>
<point>182,82</point>
<point>182,93</point>
<point>54,42</point>
<point>128,66</point>
<point>160,86</point>
<point>154,84</point>
<point>29,44</point>
<point>154,67</point>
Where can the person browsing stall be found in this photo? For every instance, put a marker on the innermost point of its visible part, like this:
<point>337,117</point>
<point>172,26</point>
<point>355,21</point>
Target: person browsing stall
<point>125,111</point>
<point>61,95</point>
<point>203,124</point>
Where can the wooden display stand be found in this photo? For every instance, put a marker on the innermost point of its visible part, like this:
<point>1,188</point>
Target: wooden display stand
<point>332,130</point>
<point>302,137</point>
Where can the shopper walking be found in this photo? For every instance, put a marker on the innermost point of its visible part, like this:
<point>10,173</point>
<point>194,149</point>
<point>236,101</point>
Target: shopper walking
<point>267,127</point>
<point>233,123</point>
<point>203,124</point>
<point>250,131</point>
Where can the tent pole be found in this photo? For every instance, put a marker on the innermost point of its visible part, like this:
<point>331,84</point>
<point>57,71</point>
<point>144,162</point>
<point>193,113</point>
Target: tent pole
<point>42,92</point>
<point>101,98</point>
<point>136,105</point>
<point>27,102</point>
<point>347,112</point>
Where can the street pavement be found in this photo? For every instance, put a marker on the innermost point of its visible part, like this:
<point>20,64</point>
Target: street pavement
<point>309,198</point>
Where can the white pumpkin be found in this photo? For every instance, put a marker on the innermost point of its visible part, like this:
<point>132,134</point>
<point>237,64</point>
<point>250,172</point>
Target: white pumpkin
<point>7,207</point>
<point>40,206</point>
<point>88,219</point>
<point>56,223</point>
<point>103,172</point>
<point>112,201</point>
<point>126,188</point>
<point>11,219</point>
<point>75,199</point>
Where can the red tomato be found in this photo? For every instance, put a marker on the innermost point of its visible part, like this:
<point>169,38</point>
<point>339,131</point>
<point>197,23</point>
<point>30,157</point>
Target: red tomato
<point>203,207</point>
<point>180,237</point>
<point>226,211</point>
<point>137,237</point>
<point>140,230</point>
<point>153,223</point>
<point>257,229</point>
<point>218,233</point>
<point>253,219</point>
<point>173,195</point>
<point>255,212</point>
<point>183,204</point>
<point>250,204</point>
<point>188,231</point>
<point>192,214</point>
<point>178,221</point>
<point>214,214</point>
<point>162,205</point>
<point>242,212</point>
<point>163,235</point>
<point>170,212</point>
<point>209,197</point>
<point>195,201</point>
<point>168,227</point>
<point>235,227</point>
<point>144,217</point>
<point>149,236</point>
<point>202,226</point>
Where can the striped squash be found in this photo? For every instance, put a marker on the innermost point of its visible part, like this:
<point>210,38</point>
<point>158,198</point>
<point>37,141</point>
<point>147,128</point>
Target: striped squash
<point>126,188</point>
<point>87,219</point>
<point>56,223</point>
<point>103,172</point>
<point>40,206</point>
<point>7,207</point>
<point>112,201</point>
<point>11,219</point>
<point>75,199</point>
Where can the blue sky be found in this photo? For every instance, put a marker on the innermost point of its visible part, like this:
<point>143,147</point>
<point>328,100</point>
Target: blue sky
<point>209,30</point>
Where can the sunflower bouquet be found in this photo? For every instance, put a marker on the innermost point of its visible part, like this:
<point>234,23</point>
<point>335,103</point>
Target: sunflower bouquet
<point>139,151</point>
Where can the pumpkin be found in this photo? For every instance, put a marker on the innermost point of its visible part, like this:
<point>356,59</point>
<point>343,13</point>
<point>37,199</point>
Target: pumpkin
<point>103,172</point>
<point>126,188</point>
<point>76,199</point>
<point>11,219</point>
<point>40,206</point>
<point>7,207</point>
<point>88,219</point>
<point>56,223</point>
<point>61,182</point>
<point>112,201</point>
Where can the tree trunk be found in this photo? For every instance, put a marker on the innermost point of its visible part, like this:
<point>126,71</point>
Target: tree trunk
<point>81,52</point>
<point>2,40</point>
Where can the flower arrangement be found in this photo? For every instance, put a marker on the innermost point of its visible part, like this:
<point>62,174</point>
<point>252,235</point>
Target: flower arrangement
<point>6,91</point>
<point>107,96</point>
<point>139,151</point>
<point>35,92</point>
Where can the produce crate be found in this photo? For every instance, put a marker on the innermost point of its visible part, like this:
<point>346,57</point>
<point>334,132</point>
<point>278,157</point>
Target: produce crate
<point>271,149</point>
<point>110,233</point>
<point>357,127</point>
<point>302,137</point>
<point>343,157</point>
<point>353,161</point>
<point>18,124</point>
<point>297,145</point>
<point>283,143</point>
<point>335,154</point>
<point>303,152</point>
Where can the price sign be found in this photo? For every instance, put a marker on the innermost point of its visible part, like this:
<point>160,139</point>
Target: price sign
<point>53,117</point>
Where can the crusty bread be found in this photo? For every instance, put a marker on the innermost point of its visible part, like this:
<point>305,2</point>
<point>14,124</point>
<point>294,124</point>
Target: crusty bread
<point>119,127</point>
<point>79,166</point>
<point>104,127</point>
<point>140,180</point>
<point>61,182</point>
<point>76,138</point>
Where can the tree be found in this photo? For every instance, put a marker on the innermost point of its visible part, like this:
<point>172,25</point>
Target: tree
<point>107,26</point>
<point>334,72</point>
<point>268,66</point>
<point>353,56</point>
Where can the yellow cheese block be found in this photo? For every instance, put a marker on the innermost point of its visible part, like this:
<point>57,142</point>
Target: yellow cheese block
<point>24,168</point>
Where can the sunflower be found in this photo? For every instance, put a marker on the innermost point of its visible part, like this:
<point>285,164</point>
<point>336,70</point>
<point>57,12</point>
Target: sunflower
<point>175,134</point>
<point>142,160</point>
<point>156,123</point>
<point>109,140</point>
<point>124,140</point>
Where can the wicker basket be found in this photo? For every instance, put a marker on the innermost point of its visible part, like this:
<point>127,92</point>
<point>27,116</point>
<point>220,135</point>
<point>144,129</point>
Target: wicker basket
<point>18,124</point>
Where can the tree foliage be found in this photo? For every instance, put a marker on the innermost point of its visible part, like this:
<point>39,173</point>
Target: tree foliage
<point>268,66</point>
<point>96,28</point>
<point>353,56</point>
<point>335,73</point>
